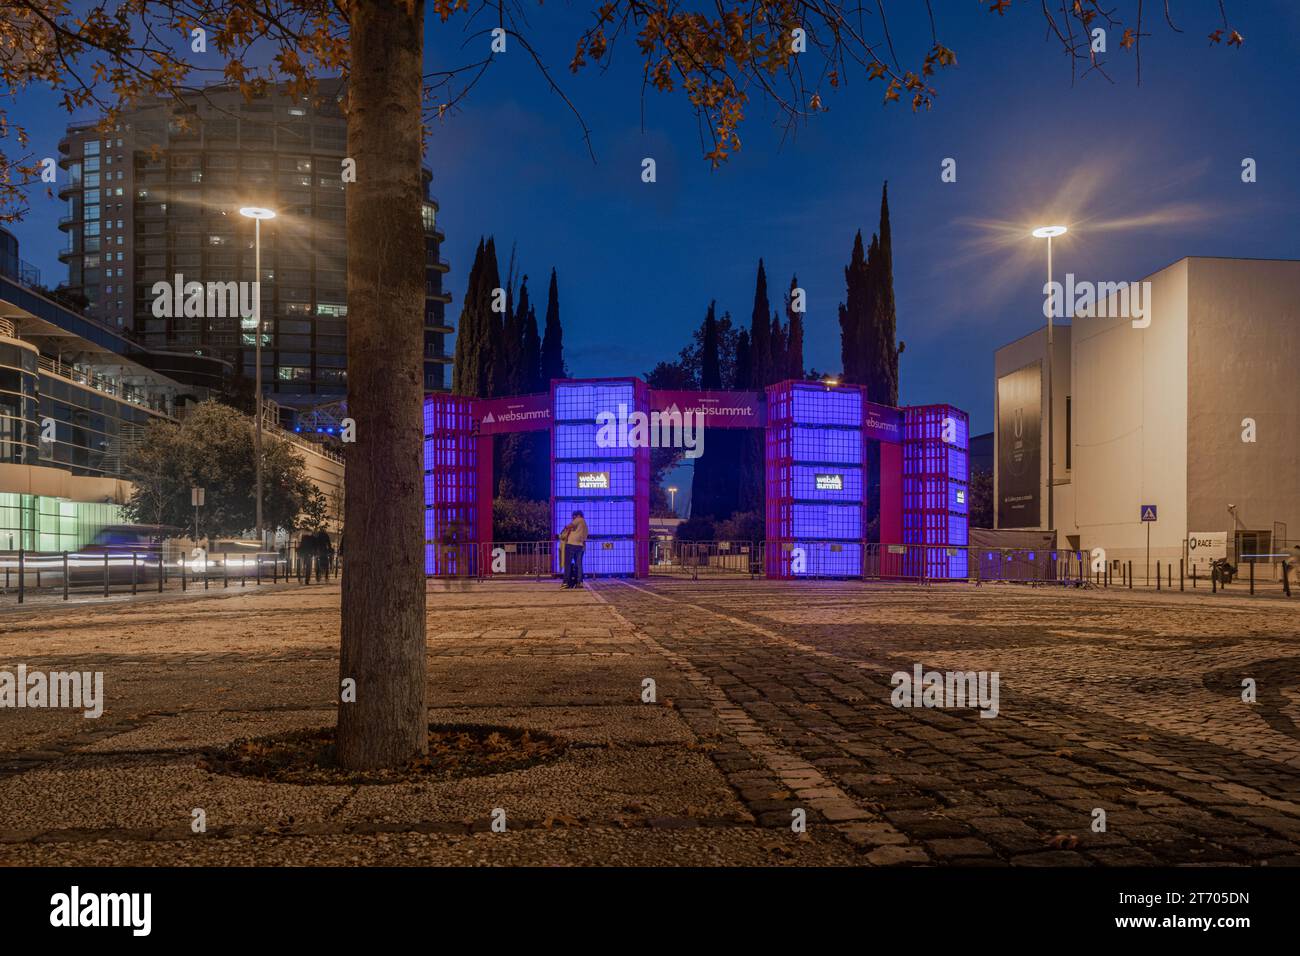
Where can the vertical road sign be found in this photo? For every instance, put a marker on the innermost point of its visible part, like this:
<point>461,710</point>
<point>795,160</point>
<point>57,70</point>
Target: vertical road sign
<point>1148,516</point>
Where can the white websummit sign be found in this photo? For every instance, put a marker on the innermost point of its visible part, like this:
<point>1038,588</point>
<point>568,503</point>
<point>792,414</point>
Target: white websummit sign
<point>1205,547</point>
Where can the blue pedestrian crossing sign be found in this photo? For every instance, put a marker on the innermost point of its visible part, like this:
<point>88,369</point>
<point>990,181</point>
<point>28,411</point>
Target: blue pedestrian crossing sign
<point>1148,512</point>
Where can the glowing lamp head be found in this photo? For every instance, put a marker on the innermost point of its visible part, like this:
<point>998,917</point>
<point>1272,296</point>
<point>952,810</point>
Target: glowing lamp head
<point>257,212</point>
<point>1049,232</point>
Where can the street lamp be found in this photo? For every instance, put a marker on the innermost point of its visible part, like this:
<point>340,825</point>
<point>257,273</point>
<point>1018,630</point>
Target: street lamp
<point>1049,233</point>
<point>257,214</point>
<point>672,490</point>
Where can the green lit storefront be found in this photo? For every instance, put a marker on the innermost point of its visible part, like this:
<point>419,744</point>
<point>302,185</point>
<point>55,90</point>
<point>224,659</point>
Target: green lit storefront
<point>42,523</point>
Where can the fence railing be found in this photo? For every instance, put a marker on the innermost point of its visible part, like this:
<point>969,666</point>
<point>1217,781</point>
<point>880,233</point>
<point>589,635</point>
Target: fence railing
<point>134,570</point>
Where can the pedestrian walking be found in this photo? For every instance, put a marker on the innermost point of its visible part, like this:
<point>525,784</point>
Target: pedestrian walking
<point>573,543</point>
<point>306,550</point>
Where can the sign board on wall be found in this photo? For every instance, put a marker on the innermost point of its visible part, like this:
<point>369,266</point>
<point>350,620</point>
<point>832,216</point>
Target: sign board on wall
<point>593,480</point>
<point>718,409</point>
<point>882,422</point>
<point>1020,468</point>
<point>517,413</point>
<point>830,482</point>
<point>1205,547</point>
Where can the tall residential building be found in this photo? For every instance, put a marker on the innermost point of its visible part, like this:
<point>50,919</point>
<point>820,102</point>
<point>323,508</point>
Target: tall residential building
<point>75,399</point>
<point>159,196</point>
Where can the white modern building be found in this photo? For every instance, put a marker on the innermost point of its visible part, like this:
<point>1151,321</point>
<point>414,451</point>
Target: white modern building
<point>1189,414</point>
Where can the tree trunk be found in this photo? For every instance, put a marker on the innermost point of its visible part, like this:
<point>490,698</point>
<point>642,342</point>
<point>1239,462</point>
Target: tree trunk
<point>383,640</point>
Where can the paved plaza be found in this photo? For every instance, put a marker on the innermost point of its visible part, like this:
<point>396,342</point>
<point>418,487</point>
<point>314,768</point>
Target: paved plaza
<point>769,698</point>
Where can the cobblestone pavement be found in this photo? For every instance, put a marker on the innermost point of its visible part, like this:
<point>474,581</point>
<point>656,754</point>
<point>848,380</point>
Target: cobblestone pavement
<point>1127,703</point>
<point>770,698</point>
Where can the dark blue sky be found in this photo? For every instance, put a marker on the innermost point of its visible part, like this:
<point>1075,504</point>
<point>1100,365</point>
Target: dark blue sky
<point>1143,174</point>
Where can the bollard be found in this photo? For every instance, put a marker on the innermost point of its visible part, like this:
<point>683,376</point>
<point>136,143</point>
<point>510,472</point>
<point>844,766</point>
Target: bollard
<point>182,574</point>
<point>1180,574</point>
<point>1130,575</point>
<point>133,573</point>
<point>65,575</point>
<point>1252,578</point>
<point>1193,577</point>
<point>1157,575</point>
<point>22,578</point>
<point>162,571</point>
<point>1214,583</point>
<point>225,577</point>
<point>258,570</point>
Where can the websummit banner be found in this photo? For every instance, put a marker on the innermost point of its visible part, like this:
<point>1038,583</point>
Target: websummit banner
<point>514,413</point>
<point>882,422</point>
<point>717,409</point>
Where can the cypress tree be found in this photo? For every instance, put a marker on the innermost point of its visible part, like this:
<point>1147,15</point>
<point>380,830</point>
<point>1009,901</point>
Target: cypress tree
<point>553,338</point>
<point>531,355</point>
<point>777,346</point>
<point>464,376</point>
<point>744,366</point>
<point>491,367</point>
<point>885,350</point>
<point>760,334</point>
<point>853,311</point>
<point>794,346</point>
<point>710,361</point>
<point>706,472</point>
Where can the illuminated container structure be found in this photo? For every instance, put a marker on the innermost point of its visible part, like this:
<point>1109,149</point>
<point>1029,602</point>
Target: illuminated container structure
<point>936,490</point>
<point>814,474</point>
<point>450,485</point>
<point>610,485</point>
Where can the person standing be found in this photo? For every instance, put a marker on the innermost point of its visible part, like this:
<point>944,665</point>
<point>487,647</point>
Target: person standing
<point>575,537</point>
<point>306,545</point>
<point>324,555</point>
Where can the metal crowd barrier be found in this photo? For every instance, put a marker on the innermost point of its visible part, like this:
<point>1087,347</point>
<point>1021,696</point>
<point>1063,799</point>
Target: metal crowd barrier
<point>132,570</point>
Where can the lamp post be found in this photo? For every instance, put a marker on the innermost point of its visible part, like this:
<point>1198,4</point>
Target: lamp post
<point>672,490</point>
<point>1049,233</point>
<point>257,214</point>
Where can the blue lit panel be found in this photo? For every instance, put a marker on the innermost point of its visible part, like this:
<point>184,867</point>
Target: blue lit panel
<point>957,464</point>
<point>617,556</point>
<point>582,402</point>
<point>820,406</point>
<point>579,441</point>
<point>604,518</point>
<point>603,483</point>
<point>825,559</point>
<point>814,521</point>
<point>831,445</point>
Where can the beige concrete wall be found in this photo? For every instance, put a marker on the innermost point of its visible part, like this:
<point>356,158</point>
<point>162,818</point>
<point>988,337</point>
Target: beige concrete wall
<point>57,483</point>
<point>327,474</point>
<point>1129,402</point>
<point>1244,354</point>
